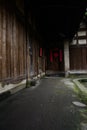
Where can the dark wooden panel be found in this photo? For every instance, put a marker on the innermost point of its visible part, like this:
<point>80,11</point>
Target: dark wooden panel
<point>3,43</point>
<point>0,42</point>
<point>12,46</point>
<point>78,58</point>
<point>15,46</point>
<point>14,55</point>
<point>36,45</point>
<point>34,57</point>
<point>8,46</point>
<point>24,49</point>
<point>17,35</point>
<point>21,33</point>
<point>83,60</point>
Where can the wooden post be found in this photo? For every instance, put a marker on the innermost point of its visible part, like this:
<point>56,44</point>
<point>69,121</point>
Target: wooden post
<point>66,57</point>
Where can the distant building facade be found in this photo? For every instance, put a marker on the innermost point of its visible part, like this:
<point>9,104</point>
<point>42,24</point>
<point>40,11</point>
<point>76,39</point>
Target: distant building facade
<point>78,48</point>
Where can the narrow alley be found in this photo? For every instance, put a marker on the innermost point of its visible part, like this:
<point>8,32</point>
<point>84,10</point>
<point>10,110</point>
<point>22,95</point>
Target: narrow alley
<point>42,44</point>
<point>48,106</point>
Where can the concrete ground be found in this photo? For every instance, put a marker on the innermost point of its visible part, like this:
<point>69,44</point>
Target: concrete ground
<point>47,106</point>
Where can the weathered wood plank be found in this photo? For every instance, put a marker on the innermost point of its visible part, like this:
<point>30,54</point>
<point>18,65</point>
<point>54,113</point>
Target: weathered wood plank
<point>21,31</point>
<point>12,46</point>
<point>19,50</point>
<point>79,53</point>
<point>27,57</point>
<point>34,56</point>
<point>8,45</point>
<point>14,53</point>
<point>15,46</point>
<point>17,58</point>
<point>0,43</point>
<point>4,43</point>
<point>24,50</point>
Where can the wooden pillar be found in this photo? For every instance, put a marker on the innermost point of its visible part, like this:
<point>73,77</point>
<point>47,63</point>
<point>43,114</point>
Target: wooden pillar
<point>66,57</point>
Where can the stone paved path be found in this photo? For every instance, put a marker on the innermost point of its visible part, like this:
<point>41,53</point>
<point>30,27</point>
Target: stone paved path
<point>45,107</point>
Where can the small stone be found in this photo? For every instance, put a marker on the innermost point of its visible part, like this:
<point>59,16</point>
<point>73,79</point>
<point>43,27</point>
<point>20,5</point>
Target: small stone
<point>79,104</point>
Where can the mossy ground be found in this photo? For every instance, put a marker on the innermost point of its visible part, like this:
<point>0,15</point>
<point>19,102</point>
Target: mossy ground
<point>82,95</point>
<point>30,83</point>
<point>83,98</point>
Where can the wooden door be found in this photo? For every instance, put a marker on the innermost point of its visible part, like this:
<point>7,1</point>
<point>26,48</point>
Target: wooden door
<point>78,58</point>
<point>55,59</point>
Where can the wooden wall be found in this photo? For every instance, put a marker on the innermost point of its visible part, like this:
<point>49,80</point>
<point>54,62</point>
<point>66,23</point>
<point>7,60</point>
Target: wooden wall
<point>38,62</point>
<point>14,53</point>
<point>78,48</point>
<point>12,44</point>
<point>78,58</point>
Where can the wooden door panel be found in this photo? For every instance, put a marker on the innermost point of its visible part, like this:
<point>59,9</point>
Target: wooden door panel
<point>78,58</point>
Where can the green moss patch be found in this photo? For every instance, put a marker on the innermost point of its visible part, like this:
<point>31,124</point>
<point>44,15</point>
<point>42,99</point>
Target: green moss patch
<point>82,95</point>
<point>30,83</point>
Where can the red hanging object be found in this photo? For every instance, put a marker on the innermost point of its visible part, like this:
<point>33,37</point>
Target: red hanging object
<point>40,51</point>
<point>61,55</point>
<point>56,54</point>
<point>51,56</point>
